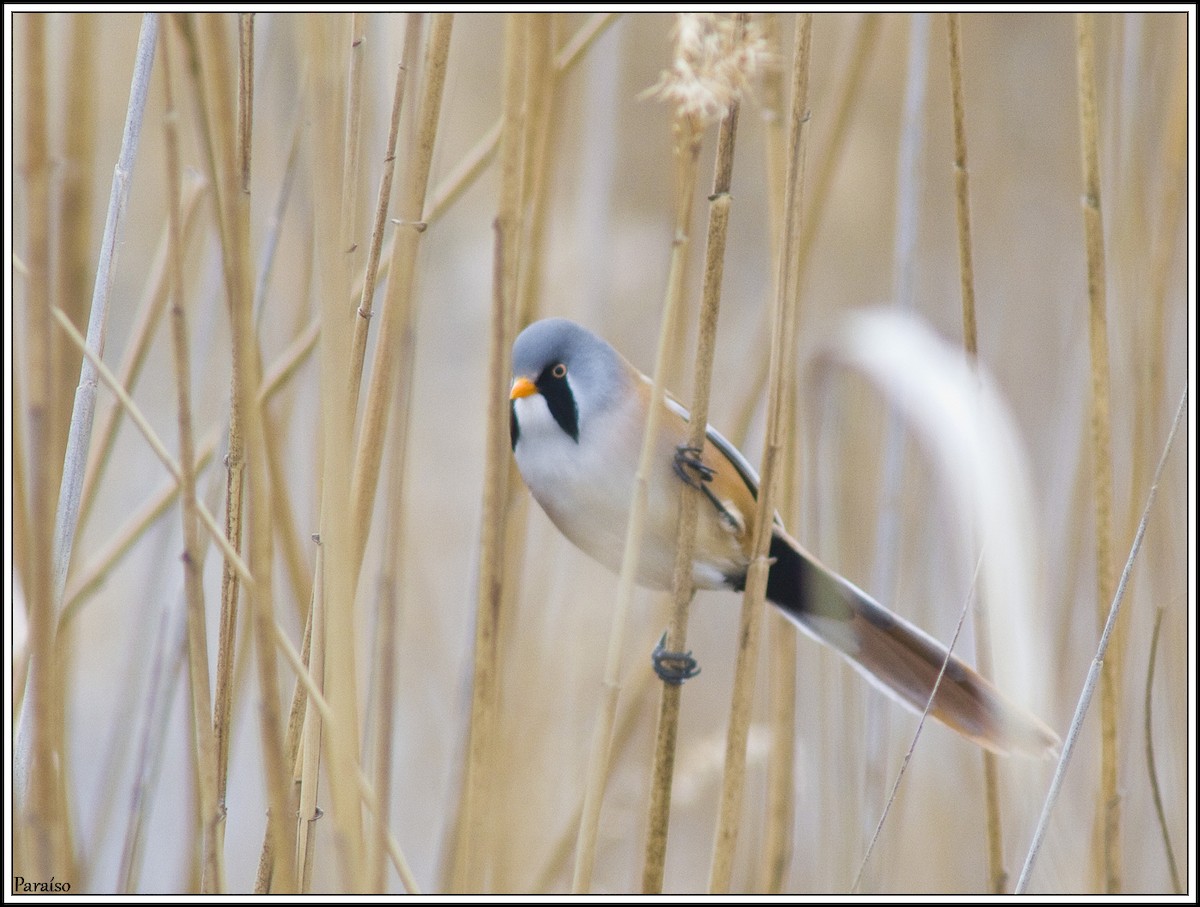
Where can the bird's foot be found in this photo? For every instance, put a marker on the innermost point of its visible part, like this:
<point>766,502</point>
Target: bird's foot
<point>690,468</point>
<point>673,667</point>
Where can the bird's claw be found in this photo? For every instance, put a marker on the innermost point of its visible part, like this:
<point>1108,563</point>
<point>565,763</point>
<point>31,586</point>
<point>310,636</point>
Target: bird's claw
<point>673,667</point>
<point>690,468</point>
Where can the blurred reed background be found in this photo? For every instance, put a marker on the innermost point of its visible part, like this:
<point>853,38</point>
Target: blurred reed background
<point>123,787</point>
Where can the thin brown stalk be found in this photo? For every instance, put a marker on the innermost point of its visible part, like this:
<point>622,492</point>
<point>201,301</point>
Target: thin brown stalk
<point>230,161</point>
<point>539,90</point>
<point>207,62</point>
<point>962,187</point>
<point>585,853</point>
<point>997,872</point>
<point>333,653</point>
<point>780,797</point>
<point>352,143</point>
<point>400,281</point>
<point>781,372</point>
<point>41,835</point>
<point>1101,437</point>
<point>687,151</point>
<point>481,747</point>
<point>718,231</point>
<point>602,737</point>
<point>291,738</point>
<point>358,349</point>
<point>208,813</point>
<point>1151,769</point>
<point>308,763</point>
<point>382,719</point>
<point>720,202</point>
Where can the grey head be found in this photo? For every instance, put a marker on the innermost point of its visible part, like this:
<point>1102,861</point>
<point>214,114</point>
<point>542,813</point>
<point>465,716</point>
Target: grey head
<point>577,373</point>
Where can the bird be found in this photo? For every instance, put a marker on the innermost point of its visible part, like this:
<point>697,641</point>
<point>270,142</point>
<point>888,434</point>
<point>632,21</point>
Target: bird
<point>578,413</point>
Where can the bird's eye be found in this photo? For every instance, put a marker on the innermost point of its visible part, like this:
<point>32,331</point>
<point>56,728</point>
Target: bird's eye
<point>559,370</point>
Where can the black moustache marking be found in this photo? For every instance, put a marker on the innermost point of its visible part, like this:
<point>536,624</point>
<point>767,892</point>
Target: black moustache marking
<point>514,429</point>
<point>560,400</point>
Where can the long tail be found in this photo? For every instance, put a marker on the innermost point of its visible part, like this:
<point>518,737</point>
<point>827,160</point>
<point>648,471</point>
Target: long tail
<point>898,657</point>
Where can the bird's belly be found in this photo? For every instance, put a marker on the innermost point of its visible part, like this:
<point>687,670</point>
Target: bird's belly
<point>591,505</point>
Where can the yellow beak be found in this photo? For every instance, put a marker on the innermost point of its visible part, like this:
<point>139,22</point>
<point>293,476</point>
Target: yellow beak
<point>522,387</point>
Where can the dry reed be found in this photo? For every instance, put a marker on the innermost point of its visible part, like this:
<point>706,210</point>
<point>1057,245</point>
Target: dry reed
<point>997,872</point>
<point>1109,816</point>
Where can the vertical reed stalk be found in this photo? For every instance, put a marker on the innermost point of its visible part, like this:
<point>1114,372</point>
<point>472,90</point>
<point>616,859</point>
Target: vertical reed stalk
<point>208,812</point>
<point>73,274</point>
<point>997,872</point>
<point>333,650</point>
<point>718,56</point>
<point>358,349</point>
<point>208,65</point>
<point>400,281</point>
<point>782,367</point>
<point>720,202</point>
<point>687,156</point>
<point>780,805</point>
<point>291,738</point>
<point>228,151</point>
<point>1101,440</point>
<point>485,687</point>
<point>354,77</point>
<point>41,834</point>
<point>540,82</point>
<point>84,409</point>
<point>687,153</point>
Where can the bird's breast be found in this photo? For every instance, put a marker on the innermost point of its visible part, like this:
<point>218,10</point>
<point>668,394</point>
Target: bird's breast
<point>586,487</point>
